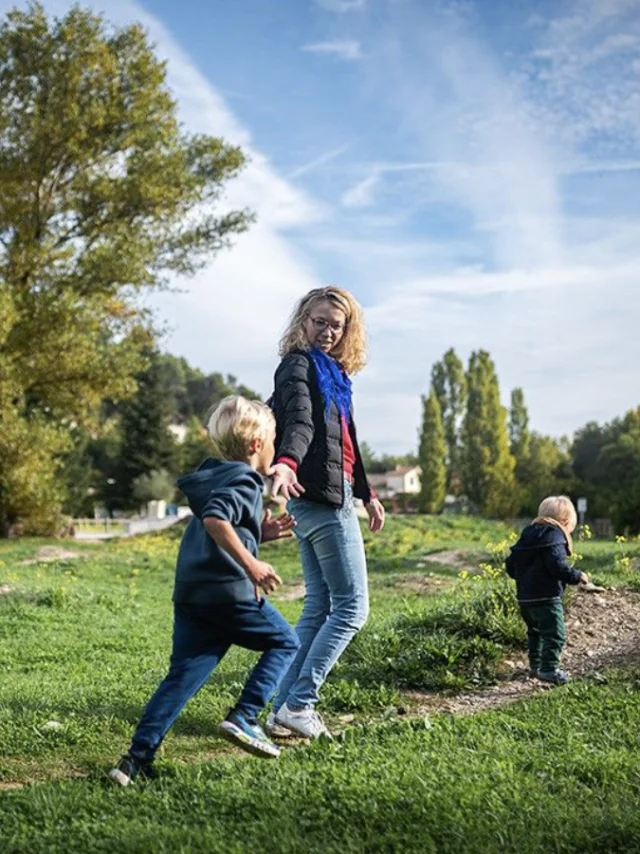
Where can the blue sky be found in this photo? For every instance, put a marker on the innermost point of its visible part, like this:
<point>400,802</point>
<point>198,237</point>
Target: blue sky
<point>471,170</point>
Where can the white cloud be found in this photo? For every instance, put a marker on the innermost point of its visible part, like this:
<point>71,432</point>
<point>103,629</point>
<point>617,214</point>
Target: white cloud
<point>342,6</point>
<point>582,78</point>
<point>600,166</point>
<point>347,49</point>
<point>320,160</point>
<point>361,195</point>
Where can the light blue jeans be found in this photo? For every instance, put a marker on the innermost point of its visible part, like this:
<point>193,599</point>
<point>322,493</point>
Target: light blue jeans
<point>336,603</point>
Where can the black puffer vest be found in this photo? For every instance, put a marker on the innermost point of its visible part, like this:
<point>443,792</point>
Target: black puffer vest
<point>313,440</point>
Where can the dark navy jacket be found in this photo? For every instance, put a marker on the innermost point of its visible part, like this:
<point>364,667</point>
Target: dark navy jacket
<point>538,562</point>
<point>205,573</point>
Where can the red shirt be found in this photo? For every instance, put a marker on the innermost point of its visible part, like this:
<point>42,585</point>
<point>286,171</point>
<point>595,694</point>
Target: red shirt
<point>348,455</point>
<point>348,452</point>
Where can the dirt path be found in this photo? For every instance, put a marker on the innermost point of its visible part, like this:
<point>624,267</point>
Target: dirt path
<point>603,630</point>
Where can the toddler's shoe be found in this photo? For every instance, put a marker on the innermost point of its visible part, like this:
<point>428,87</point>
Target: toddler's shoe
<point>557,677</point>
<point>248,734</point>
<point>304,722</point>
<point>128,769</point>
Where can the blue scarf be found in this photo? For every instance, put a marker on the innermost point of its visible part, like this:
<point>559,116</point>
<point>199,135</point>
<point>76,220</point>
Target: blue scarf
<point>335,385</point>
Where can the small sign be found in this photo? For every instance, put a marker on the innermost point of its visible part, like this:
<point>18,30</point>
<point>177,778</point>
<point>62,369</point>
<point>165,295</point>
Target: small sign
<point>582,505</point>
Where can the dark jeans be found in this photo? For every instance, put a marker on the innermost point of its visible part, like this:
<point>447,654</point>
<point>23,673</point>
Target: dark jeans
<point>546,634</point>
<point>202,634</point>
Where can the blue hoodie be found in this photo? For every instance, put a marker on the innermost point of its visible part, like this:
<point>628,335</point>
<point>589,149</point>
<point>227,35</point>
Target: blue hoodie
<point>205,573</point>
<point>538,563</point>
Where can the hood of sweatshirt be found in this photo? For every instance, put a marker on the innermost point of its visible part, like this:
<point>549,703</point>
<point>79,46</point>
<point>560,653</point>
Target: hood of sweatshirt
<point>214,474</point>
<point>539,536</point>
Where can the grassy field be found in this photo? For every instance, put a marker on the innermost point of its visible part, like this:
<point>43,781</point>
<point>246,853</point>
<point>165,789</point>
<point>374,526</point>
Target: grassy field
<point>85,639</point>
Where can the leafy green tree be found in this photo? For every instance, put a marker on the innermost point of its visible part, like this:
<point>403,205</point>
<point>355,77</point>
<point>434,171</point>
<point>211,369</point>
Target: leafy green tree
<point>102,196</point>
<point>545,471</point>
<point>450,385</point>
<point>157,485</point>
<point>29,488</point>
<point>195,448</point>
<point>205,391</point>
<point>432,456</point>
<point>590,467</point>
<point>519,436</point>
<point>489,466</point>
<point>146,444</point>
<point>77,476</point>
<point>619,465</point>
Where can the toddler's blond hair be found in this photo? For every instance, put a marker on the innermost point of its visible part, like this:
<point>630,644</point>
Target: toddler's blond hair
<point>560,508</point>
<point>235,422</point>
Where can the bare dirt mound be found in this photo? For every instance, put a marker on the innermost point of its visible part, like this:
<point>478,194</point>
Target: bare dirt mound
<point>47,554</point>
<point>422,583</point>
<point>455,559</point>
<point>603,630</point>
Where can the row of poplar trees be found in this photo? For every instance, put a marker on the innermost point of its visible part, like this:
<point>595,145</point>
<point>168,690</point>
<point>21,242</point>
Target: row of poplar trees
<point>469,443</point>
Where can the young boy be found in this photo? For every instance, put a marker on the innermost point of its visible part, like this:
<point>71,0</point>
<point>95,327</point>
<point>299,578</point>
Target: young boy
<point>538,564</point>
<point>217,600</point>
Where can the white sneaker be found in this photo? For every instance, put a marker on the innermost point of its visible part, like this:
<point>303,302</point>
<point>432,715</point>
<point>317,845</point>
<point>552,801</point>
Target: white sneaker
<point>275,730</point>
<point>304,722</point>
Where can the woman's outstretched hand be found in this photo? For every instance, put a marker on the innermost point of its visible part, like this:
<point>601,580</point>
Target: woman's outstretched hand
<point>285,480</point>
<point>278,528</point>
<point>375,512</point>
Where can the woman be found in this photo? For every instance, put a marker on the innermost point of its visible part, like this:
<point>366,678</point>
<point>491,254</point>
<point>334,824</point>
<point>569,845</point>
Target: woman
<point>319,469</point>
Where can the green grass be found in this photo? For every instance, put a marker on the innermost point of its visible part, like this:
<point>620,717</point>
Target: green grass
<point>84,642</point>
<point>556,775</point>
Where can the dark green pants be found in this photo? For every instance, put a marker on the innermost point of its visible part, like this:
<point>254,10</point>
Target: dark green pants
<point>546,634</point>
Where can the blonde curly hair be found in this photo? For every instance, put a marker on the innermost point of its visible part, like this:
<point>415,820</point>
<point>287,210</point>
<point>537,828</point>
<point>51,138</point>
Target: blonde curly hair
<point>351,349</point>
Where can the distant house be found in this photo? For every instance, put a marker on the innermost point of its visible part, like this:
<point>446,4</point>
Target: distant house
<point>402,480</point>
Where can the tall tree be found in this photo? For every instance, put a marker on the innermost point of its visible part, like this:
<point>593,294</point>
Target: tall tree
<point>102,195</point>
<point>432,456</point>
<point>519,436</point>
<point>488,463</point>
<point>146,444</point>
<point>450,385</point>
<point>619,470</point>
<point>545,471</point>
<point>195,448</point>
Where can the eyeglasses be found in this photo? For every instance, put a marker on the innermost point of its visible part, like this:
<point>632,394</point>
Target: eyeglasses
<point>320,324</point>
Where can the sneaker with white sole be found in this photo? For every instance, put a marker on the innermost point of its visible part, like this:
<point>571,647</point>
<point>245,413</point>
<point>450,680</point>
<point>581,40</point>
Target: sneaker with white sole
<point>275,730</point>
<point>556,677</point>
<point>304,722</point>
<point>248,734</point>
<point>128,769</point>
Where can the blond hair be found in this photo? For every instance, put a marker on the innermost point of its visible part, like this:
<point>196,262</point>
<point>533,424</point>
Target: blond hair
<point>560,508</point>
<point>351,349</point>
<point>235,422</point>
